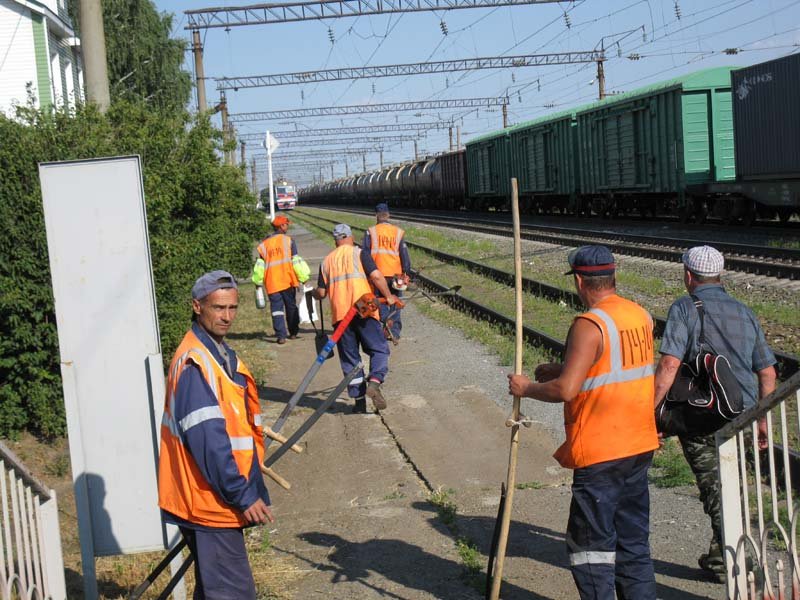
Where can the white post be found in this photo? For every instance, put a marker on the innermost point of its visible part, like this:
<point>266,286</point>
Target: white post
<point>731,508</point>
<point>269,171</point>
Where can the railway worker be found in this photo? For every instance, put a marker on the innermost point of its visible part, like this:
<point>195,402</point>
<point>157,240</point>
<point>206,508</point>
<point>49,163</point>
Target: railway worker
<point>731,329</point>
<point>606,386</point>
<point>386,243</point>
<point>209,478</point>
<point>344,277</point>
<point>280,280</point>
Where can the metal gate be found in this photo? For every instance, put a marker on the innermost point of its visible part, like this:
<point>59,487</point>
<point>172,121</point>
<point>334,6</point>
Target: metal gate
<point>31,563</point>
<point>759,488</point>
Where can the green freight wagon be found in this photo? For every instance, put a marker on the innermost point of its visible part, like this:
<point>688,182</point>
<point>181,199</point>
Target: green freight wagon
<point>545,162</point>
<point>488,171</point>
<point>642,150</point>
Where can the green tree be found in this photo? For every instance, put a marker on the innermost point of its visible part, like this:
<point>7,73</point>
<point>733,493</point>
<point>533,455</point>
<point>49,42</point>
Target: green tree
<point>144,62</point>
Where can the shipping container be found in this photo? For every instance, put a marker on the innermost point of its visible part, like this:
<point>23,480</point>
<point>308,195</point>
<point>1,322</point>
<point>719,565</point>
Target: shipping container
<point>766,113</point>
<point>656,140</point>
<point>488,170</point>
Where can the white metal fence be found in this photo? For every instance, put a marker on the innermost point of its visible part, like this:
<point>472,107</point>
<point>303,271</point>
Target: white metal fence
<point>759,489</point>
<point>31,563</point>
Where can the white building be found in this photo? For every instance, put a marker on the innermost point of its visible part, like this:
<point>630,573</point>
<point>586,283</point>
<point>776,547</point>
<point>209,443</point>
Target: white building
<point>38,47</point>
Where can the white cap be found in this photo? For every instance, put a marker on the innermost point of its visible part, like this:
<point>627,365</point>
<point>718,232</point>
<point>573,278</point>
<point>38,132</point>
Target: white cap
<point>704,261</point>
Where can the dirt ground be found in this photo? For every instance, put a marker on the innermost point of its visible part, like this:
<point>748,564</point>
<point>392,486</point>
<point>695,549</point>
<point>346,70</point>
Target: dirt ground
<point>358,521</point>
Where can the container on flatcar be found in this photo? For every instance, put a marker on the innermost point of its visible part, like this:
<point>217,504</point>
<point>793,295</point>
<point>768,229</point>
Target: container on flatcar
<point>489,170</point>
<point>655,141</point>
<point>766,115</point>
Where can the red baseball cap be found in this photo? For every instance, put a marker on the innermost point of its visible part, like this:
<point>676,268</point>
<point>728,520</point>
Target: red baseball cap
<point>280,220</point>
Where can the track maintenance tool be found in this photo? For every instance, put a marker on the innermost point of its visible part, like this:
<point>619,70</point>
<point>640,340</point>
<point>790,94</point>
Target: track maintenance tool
<point>495,575</point>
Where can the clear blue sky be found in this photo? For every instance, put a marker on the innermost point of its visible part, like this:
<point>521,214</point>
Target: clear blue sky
<point>672,46</point>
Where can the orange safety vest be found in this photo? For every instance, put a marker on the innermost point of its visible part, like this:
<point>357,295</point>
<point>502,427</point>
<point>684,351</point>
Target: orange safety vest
<point>276,252</point>
<point>385,241</point>
<point>612,415</point>
<point>182,489</point>
<point>345,278</point>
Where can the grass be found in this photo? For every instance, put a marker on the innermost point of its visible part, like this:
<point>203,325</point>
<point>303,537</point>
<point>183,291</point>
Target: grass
<point>530,485</point>
<point>670,468</point>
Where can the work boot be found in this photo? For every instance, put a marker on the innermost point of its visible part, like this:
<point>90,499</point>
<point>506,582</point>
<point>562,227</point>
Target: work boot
<point>360,407</point>
<point>281,341</point>
<point>374,394</point>
<point>713,563</point>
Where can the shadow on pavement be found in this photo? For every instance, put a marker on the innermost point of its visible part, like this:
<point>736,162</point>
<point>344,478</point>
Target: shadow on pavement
<point>546,546</point>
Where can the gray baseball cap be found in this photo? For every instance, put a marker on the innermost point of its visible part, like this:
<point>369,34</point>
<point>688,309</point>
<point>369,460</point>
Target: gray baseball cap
<point>342,231</point>
<point>211,282</point>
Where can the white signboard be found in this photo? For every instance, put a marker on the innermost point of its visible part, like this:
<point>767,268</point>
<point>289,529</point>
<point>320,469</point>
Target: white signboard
<point>110,350</point>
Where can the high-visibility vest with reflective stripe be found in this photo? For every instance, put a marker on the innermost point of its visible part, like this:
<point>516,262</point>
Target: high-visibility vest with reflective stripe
<point>182,489</point>
<point>344,275</point>
<point>276,252</point>
<point>385,241</point>
<point>612,415</point>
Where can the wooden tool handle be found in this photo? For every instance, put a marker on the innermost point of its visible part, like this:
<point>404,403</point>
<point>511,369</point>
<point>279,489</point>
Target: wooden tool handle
<point>279,438</point>
<point>276,478</point>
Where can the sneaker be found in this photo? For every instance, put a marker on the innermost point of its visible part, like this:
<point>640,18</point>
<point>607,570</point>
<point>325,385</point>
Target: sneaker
<point>360,407</point>
<point>281,340</point>
<point>374,394</point>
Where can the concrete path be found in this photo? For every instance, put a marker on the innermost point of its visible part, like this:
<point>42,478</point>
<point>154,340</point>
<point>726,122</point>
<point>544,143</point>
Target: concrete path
<point>358,522</point>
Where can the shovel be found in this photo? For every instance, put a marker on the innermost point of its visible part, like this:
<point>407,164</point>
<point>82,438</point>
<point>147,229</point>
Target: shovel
<point>320,337</point>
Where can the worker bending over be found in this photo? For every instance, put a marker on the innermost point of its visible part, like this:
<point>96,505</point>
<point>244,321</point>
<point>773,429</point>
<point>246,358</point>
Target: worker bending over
<point>344,277</point>
<point>209,477</point>
<point>387,246</point>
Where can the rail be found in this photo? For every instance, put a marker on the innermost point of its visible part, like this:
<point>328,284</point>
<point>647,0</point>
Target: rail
<point>31,562</point>
<point>759,516</point>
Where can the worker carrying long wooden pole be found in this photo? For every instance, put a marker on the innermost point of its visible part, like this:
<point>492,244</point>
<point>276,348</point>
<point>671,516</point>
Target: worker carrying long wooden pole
<point>606,384</point>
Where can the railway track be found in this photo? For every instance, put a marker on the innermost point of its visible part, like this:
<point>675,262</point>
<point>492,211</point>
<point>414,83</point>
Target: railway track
<point>788,364</point>
<point>783,263</point>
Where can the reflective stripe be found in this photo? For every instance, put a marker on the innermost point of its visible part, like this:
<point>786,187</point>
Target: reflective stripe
<point>356,380</point>
<point>168,422</point>
<point>287,253</point>
<point>242,443</point>
<point>257,420</point>
<point>347,276</point>
<point>592,557</point>
<point>385,251</point>
<point>277,313</point>
<point>618,377</point>
<point>617,373</point>
<point>198,416</point>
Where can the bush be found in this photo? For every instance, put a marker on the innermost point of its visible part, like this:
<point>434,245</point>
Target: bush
<point>200,217</point>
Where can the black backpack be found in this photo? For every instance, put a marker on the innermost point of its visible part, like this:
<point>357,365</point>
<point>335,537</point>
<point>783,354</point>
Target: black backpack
<point>705,394</point>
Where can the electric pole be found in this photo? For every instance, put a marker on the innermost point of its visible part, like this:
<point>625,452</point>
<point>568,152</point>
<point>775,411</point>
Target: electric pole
<point>253,177</point>
<point>450,132</point>
<point>363,163</point>
<point>243,159</point>
<point>381,158</point>
<point>199,72</point>
<point>226,129</point>
<point>601,80</point>
<point>331,171</point>
<point>505,116</point>
<point>458,137</point>
<point>346,168</point>
<point>93,44</point>
<point>416,151</point>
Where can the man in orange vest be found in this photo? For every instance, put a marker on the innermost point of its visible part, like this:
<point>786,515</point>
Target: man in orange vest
<point>344,276</point>
<point>606,386</point>
<point>387,245</point>
<point>280,280</point>
<point>209,478</point>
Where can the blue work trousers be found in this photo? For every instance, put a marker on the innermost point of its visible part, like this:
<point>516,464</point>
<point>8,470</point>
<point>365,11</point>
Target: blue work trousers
<point>284,312</point>
<point>392,313</point>
<point>368,335</point>
<point>221,568</point>
<point>608,531</point>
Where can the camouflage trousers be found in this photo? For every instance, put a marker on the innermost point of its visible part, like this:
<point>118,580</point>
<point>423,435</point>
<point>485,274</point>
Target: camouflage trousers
<point>701,454</point>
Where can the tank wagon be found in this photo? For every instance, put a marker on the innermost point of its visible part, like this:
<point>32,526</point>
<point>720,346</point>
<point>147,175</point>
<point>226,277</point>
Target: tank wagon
<point>688,146</point>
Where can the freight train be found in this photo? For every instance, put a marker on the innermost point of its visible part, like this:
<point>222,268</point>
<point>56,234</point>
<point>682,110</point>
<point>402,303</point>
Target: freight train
<point>722,142</point>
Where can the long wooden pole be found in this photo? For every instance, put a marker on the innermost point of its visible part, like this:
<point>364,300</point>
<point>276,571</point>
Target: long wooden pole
<point>511,477</point>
